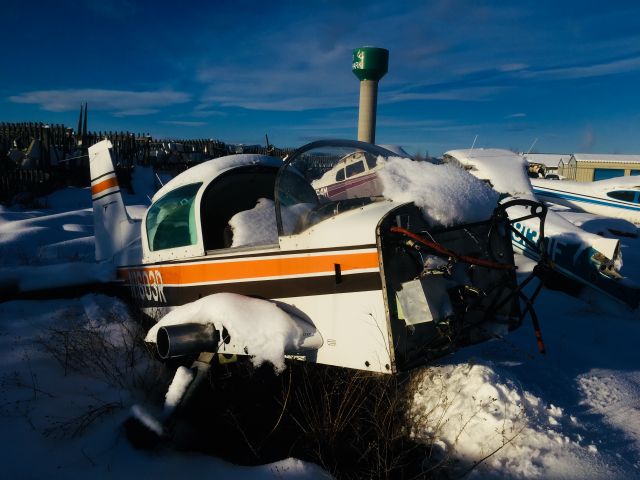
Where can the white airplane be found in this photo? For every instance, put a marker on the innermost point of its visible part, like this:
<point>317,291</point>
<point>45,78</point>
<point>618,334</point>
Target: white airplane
<point>584,257</point>
<point>338,263</point>
<point>356,274</point>
<point>616,197</point>
<point>354,175</point>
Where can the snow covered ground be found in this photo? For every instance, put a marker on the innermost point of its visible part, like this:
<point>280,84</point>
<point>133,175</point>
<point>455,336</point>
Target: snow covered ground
<point>60,415</point>
<point>67,423</point>
<point>572,413</point>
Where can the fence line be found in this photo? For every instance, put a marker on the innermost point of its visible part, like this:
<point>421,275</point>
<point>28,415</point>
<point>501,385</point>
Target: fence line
<point>33,182</point>
<point>39,158</point>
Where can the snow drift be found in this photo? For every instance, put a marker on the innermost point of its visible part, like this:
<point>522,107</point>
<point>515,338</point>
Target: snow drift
<point>477,414</point>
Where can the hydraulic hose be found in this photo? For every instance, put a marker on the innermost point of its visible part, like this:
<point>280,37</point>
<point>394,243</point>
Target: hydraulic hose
<point>449,253</point>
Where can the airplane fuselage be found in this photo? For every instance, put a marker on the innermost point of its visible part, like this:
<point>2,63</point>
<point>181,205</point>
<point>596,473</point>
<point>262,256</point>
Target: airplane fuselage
<point>589,200</point>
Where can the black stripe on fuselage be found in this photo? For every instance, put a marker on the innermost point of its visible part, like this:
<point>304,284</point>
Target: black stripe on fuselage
<point>106,195</point>
<point>278,288</point>
<point>103,175</point>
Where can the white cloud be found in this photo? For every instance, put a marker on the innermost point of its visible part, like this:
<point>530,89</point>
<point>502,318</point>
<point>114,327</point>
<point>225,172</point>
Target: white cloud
<point>287,88</point>
<point>469,94</point>
<point>516,115</point>
<point>202,111</point>
<point>184,123</point>
<point>308,73</point>
<point>392,122</point>
<point>583,71</point>
<point>512,67</point>
<point>131,112</point>
<point>301,72</point>
<point>121,102</point>
<point>288,104</point>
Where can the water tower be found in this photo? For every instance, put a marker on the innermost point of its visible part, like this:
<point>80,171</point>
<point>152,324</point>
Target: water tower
<point>370,64</point>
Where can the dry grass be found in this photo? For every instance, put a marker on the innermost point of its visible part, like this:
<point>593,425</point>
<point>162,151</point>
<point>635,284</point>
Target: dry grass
<point>110,350</point>
<point>352,423</point>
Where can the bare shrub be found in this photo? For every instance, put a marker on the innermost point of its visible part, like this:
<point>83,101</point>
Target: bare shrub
<point>76,426</point>
<point>351,423</point>
<point>106,345</point>
<point>111,349</point>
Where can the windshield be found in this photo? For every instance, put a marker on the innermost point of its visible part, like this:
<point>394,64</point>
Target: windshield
<point>326,178</point>
<point>171,221</point>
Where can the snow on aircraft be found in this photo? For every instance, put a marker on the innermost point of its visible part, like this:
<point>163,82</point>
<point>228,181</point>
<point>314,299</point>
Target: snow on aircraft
<point>358,274</point>
<point>367,282</point>
<point>584,257</point>
<point>615,197</point>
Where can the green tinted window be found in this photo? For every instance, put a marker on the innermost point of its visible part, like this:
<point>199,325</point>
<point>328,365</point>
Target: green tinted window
<point>171,221</point>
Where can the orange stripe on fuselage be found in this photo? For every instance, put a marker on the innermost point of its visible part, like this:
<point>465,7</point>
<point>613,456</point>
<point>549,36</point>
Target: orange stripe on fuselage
<point>260,268</point>
<point>104,185</point>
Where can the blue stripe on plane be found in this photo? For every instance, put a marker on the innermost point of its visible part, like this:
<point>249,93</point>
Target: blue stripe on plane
<point>577,198</point>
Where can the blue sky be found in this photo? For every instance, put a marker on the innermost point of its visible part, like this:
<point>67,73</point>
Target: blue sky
<point>564,72</point>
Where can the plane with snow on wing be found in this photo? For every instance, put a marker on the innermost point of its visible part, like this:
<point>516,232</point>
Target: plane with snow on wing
<point>366,282</point>
<point>586,258</point>
<point>615,197</point>
<point>349,271</point>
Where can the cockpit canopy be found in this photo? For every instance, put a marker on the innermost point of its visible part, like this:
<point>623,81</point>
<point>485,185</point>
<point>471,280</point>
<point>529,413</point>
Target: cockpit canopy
<point>326,178</point>
<point>250,200</point>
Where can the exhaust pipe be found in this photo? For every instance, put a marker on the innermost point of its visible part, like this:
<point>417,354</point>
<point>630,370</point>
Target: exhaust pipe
<point>187,339</point>
<point>194,338</point>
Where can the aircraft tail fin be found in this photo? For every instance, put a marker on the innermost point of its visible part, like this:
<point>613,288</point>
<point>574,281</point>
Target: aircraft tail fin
<point>112,225</point>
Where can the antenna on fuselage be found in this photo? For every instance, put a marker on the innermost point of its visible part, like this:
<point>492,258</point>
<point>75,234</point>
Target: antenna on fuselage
<point>160,181</point>
<point>531,147</point>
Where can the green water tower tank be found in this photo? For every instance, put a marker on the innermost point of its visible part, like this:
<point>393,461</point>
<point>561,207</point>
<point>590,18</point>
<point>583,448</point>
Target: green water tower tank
<point>369,64</point>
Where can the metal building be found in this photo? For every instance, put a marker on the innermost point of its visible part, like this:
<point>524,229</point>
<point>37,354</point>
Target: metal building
<point>589,167</point>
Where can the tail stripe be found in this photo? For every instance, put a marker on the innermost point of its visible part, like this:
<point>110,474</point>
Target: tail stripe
<point>111,225</point>
<point>104,185</point>
<point>103,175</point>
<point>105,195</point>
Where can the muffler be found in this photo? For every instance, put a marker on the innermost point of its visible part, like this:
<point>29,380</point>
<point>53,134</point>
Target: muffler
<point>187,339</point>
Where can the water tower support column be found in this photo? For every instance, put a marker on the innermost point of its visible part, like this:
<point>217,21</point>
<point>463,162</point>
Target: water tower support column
<point>370,64</point>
